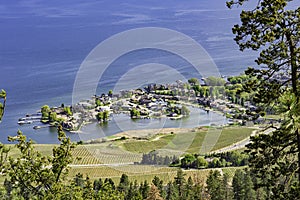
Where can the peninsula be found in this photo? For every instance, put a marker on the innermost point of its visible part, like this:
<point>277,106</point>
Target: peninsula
<point>157,101</point>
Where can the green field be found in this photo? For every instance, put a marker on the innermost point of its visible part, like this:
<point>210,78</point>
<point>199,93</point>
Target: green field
<point>191,141</point>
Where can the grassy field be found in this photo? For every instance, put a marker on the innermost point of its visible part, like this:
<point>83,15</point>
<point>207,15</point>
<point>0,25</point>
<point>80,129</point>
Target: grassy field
<point>232,135</point>
<point>146,146</point>
<point>191,141</point>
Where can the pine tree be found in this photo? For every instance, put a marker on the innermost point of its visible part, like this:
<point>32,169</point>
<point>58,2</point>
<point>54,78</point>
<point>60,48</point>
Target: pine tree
<point>78,180</point>
<point>171,192</point>
<point>158,183</point>
<point>97,184</point>
<point>188,194</point>
<point>228,194</point>
<point>2,105</point>
<point>237,184</point>
<point>124,184</point>
<point>272,28</point>
<point>214,185</point>
<point>154,193</point>
<point>144,189</point>
<point>180,183</point>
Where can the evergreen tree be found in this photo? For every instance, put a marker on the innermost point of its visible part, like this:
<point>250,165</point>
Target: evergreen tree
<point>78,180</point>
<point>237,184</point>
<point>34,175</point>
<point>144,189</point>
<point>158,183</point>
<point>272,27</point>
<point>180,183</point>
<point>2,105</point>
<point>98,184</point>
<point>243,186</point>
<point>214,185</point>
<point>109,182</point>
<point>124,184</point>
<point>171,192</point>
<point>154,193</point>
<point>228,194</point>
<point>248,187</point>
<point>88,192</point>
<point>188,194</point>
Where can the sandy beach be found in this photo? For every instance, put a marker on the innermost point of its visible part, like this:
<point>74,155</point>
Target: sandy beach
<point>151,132</point>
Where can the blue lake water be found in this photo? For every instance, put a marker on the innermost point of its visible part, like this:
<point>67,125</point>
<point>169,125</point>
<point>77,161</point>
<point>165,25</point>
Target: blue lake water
<point>43,43</point>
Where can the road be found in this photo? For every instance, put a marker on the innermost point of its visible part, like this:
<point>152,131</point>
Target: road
<point>101,165</point>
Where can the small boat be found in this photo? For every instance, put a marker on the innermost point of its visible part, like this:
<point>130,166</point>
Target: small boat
<point>37,127</point>
<point>24,122</point>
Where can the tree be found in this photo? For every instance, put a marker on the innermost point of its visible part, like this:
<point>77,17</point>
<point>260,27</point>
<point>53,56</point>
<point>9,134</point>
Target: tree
<point>214,81</point>
<point>33,175</point>
<point>184,111</point>
<point>134,113</point>
<point>158,183</point>
<point>97,185</point>
<point>45,110</point>
<point>154,194</point>
<point>187,160</point>
<point>105,115</point>
<point>2,105</point>
<point>68,111</point>
<point>110,93</point>
<point>124,184</point>
<point>99,116</point>
<point>52,117</point>
<point>193,81</point>
<point>78,180</point>
<point>214,185</point>
<point>226,188</point>
<point>200,162</point>
<point>144,189</point>
<point>189,193</point>
<point>243,186</point>
<point>273,28</point>
<point>180,183</point>
<point>171,192</point>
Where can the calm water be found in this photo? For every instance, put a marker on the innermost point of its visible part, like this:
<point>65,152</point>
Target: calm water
<point>43,43</point>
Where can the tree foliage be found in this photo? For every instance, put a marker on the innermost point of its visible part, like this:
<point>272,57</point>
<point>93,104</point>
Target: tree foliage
<point>272,28</point>
<point>2,105</point>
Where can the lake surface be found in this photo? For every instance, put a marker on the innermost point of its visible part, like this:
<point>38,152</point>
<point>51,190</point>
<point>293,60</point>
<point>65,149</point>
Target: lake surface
<point>43,43</point>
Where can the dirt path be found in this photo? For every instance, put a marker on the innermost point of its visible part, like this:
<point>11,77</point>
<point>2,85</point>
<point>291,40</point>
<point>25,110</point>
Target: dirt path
<point>101,165</point>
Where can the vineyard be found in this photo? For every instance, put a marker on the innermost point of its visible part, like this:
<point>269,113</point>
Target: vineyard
<point>139,173</point>
<point>113,158</point>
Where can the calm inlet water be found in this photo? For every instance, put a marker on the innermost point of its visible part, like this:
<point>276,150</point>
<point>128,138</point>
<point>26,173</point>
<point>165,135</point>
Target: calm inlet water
<point>43,43</point>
